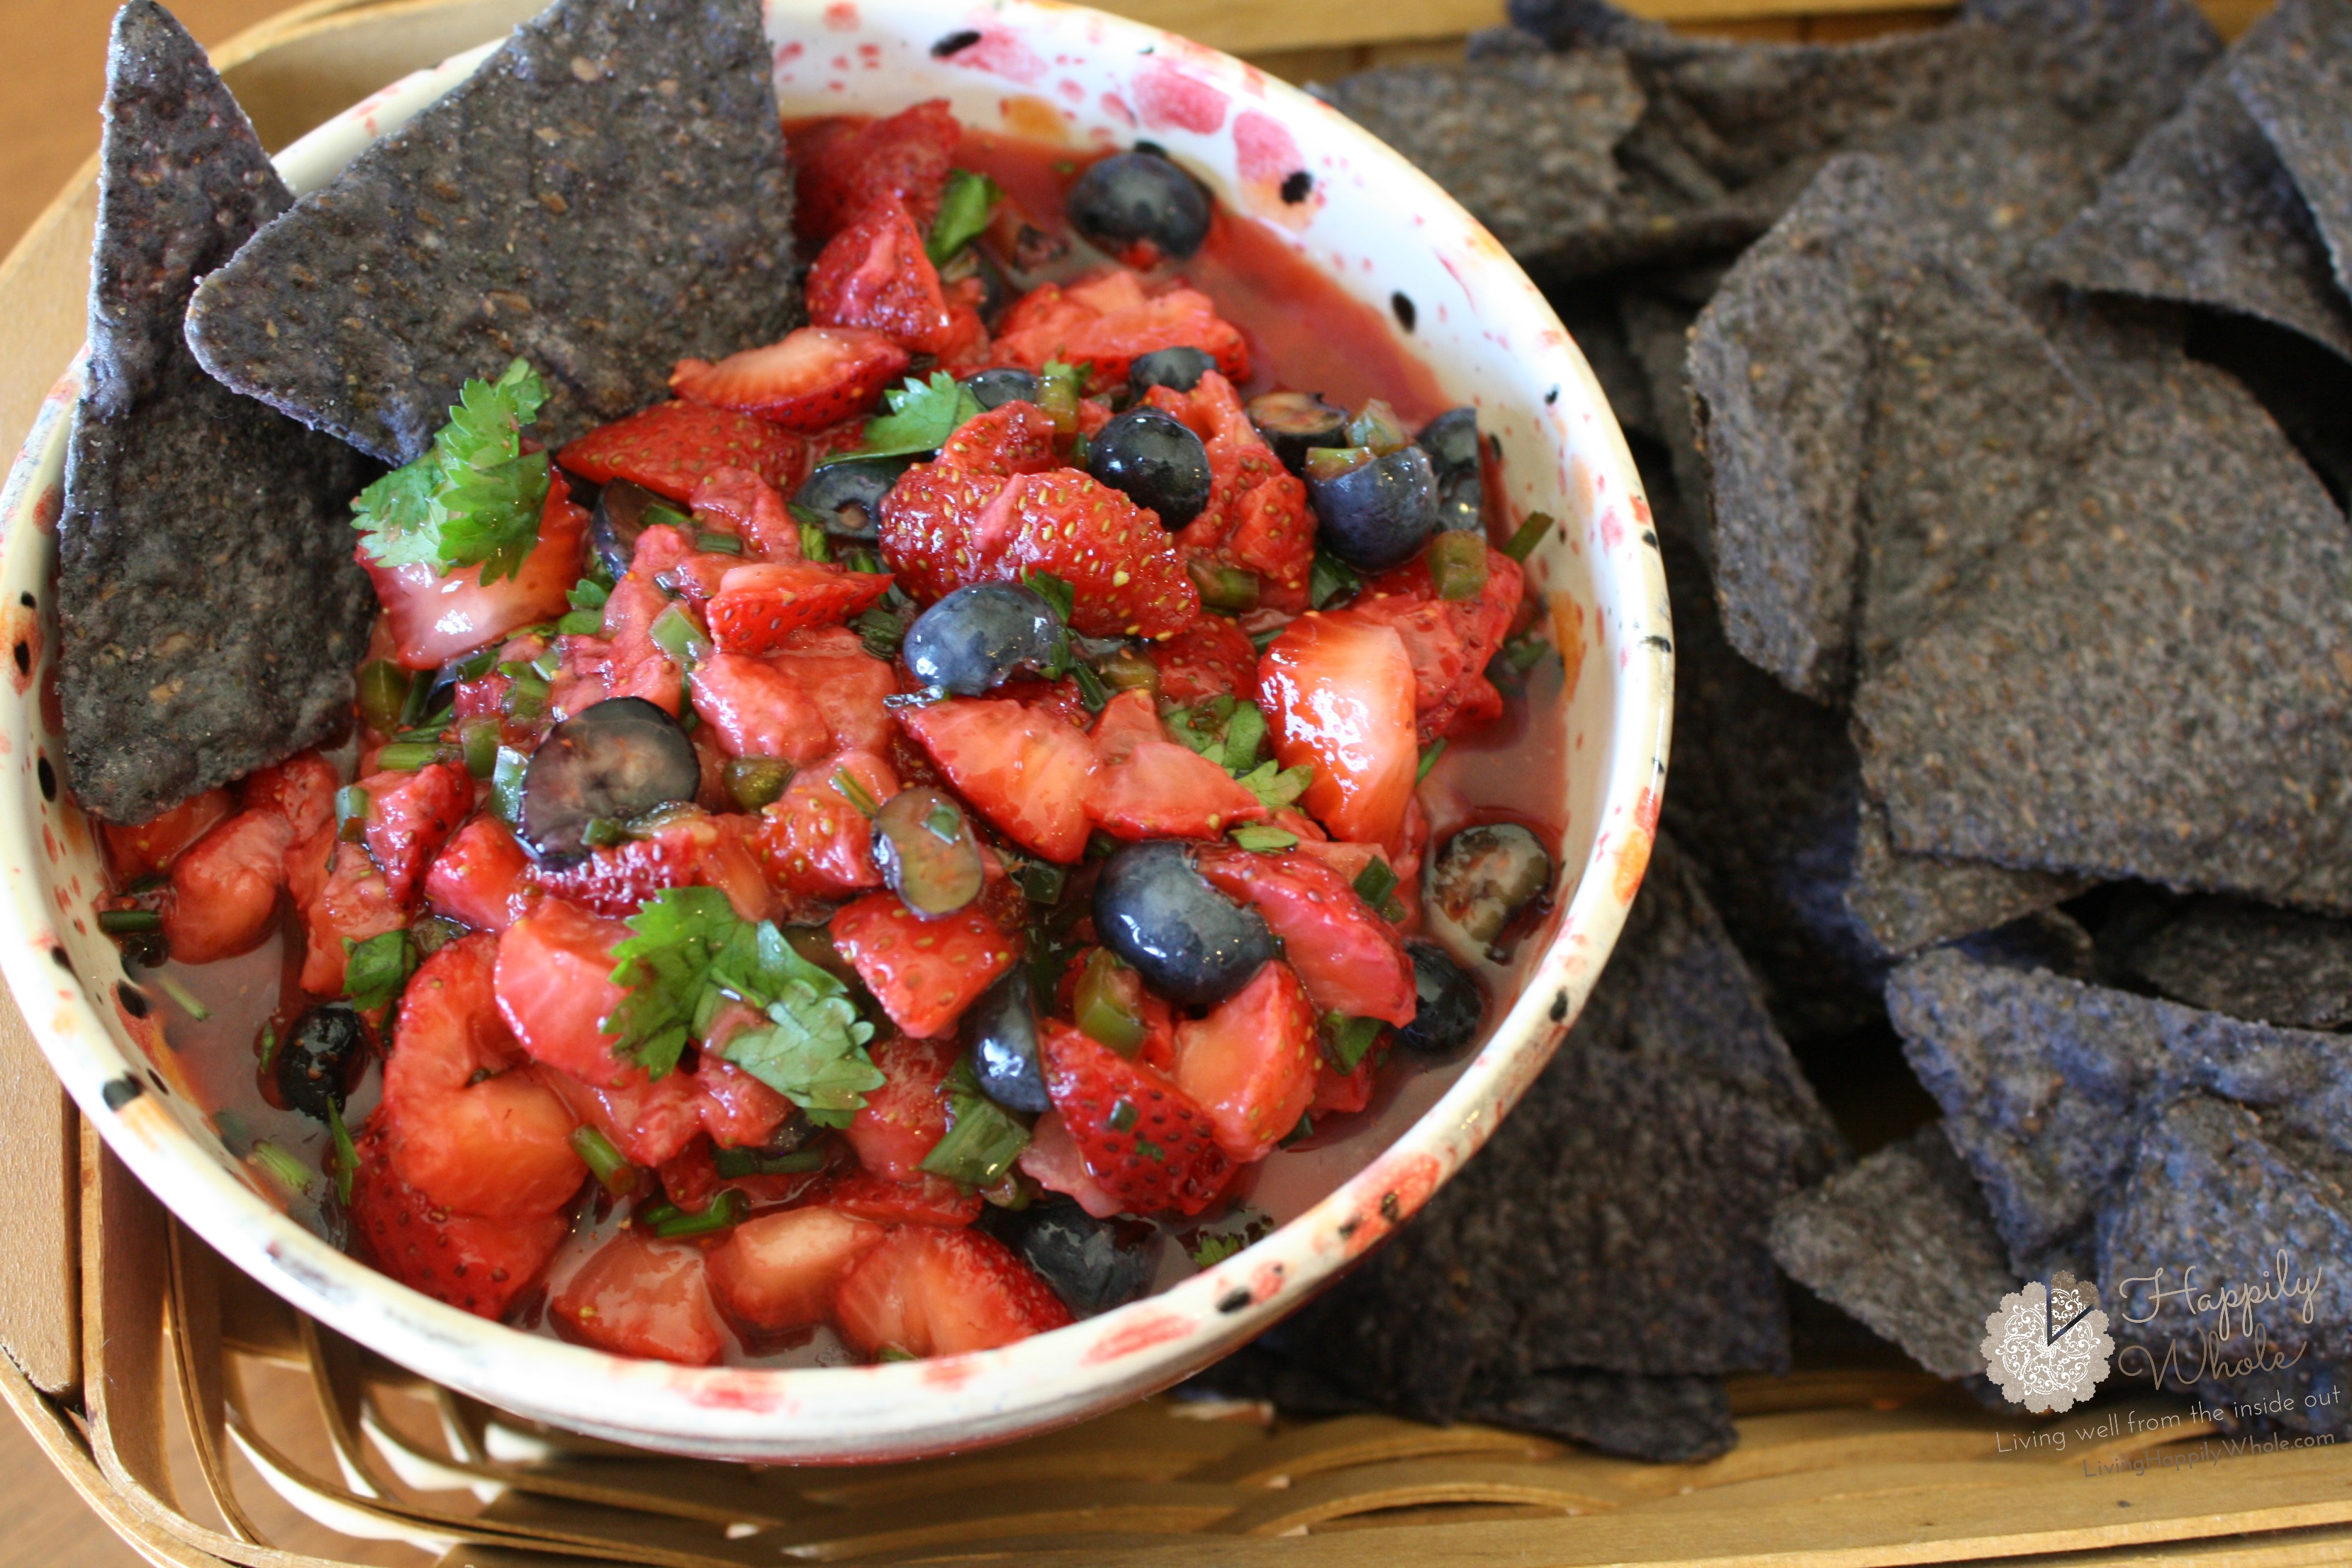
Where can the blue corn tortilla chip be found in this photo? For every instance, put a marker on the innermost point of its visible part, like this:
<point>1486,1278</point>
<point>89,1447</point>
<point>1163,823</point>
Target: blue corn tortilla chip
<point>2273,966</point>
<point>2292,72</point>
<point>2205,213</point>
<point>608,194</point>
<point>2153,679</point>
<point>210,608</point>
<point>1904,1243</point>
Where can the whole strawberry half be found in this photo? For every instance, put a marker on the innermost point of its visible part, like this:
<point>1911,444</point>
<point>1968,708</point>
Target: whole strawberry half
<point>814,377</point>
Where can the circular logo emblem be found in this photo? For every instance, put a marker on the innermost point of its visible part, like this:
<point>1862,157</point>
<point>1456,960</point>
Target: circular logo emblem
<point>2047,1347</point>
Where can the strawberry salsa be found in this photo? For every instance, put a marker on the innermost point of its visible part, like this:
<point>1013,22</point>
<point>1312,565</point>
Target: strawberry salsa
<point>879,852</point>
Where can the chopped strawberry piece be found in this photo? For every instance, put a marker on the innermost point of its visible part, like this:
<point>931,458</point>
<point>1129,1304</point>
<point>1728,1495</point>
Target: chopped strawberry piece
<point>831,666</point>
<point>554,987</point>
<point>758,710</point>
<point>1338,695</point>
<point>1053,1162</point>
<point>843,164</point>
<point>1273,536</point>
<point>1250,1064</point>
<point>477,1266</point>
<point>758,606</point>
<point>634,665</point>
<point>481,877</point>
<point>465,1128</point>
<point>152,845</point>
<point>1057,699</point>
<point>1351,960</point>
<point>436,617</point>
<point>929,523</point>
<point>696,850</point>
<point>926,1292</point>
<point>651,1120</point>
<point>1211,657</point>
<point>670,448</point>
<point>737,1110</point>
<point>874,276</point>
<point>1145,1139</point>
<point>924,972</point>
<point>1108,319</point>
<point>640,1296</point>
<point>738,501</point>
<point>1112,553</point>
<point>410,817</point>
<point>1011,438</point>
<point>924,1199</point>
<point>1449,641</point>
<point>224,890</point>
<point>814,377</point>
<point>1341,1093</point>
<point>1162,790</point>
<point>780,1271</point>
<point>909,1113</point>
<point>353,903</point>
<point>814,843</point>
<point>300,791</point>
<point>1128,720</point>
<point>963,349</point>
<point>1025,772</point>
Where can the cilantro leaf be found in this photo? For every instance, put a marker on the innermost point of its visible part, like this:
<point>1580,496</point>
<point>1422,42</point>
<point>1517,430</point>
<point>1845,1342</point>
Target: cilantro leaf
<point>1330,578</point>
<point>376,971</point>
<point>691,955</point>
<point>923,416</point>
<point>476,497</point>
<point>964,207</point>
<point>1214,1249</point>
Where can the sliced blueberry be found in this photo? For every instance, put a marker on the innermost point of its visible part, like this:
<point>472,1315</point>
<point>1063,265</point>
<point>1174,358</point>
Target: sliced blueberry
<point>1189,941</point>
<point>1452,1002</point>
<point>610,762</point>
<point>1156,461</point>
<point>1092,1264</point>
<point>1379,515</point>
<point>847,494</point>
<point>319,1059</point>
<point>1486,876</point>
<point>995,388</point>
<point>925,852</point>
<point>619,518</point>
<point>1140,197</point>
<point>1451,442</point>
<point>978,637</point>
<point>1291,422</point>
<point>1179,369</point>
<point>1001,1032</point>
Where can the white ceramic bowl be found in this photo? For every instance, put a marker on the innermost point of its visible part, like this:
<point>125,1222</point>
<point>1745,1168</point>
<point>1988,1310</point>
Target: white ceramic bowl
<point>1039,71</point>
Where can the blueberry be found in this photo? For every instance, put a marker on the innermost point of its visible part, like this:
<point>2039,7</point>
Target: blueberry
<point>319,1059</point>
<point>1451,442</point>
<point>925,852</point>
<point>613,761</point>
<point>1140,197</point>
<point>977,638</point>
<point>620,517</point>
<point>1178,368</point>
<point>995,388</point>
<point>1291,422</point>
<point>1001,1032</point>
<point>1452,1004</point>
<point>1379,515</point>
<point>1092,1264</point>
<point>1189,941</point>
<point>1156,461</point>
<point>1486,876</point>
<point>847,494</point>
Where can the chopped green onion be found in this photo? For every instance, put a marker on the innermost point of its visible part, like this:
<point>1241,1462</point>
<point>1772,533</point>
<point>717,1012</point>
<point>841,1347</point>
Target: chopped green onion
<point>1228,589</point>
<point>1330,578</point>
<point>1101,1006</point>
<point>1058,386</point>
<point>122,922</point>
<point>757,782</point>
<point>723,1213</point>
<point>1376,881</point>
<point>1458,564</point>
<point>527,692</point>
<point>479,663</point>
<point>1244,732</point>
<point>608,1164</point>
<point>1327,463</point>
<point>183,997</point>
<point>1041,882</point>
<point>737,1162</point>
<point>291,1172</point>
<point>659,516</point>
<point>1129,671</point>
<point>420,692</point>
<point>675,633</point>
<point>1346,1040</point>
<point>383,688</point>
<point>1092,692</point>
<point>1259,836</point>
<point>881,631</point>
<point>351,805</point>
<point>894,1353</point>
<point>506,784</point>
<point>649,1214</point>
<point>347,1157</point>
<point>1517,656</point>
<point>478,740</point>
<point>408,757</point>
<point>1530,534</point>
<point>547,664</point>
<point>269,1046</point>
<point>433,934</point>
<point>1055,591</point>
<point>856,794</point>
<point>815,546</point>
<point>1300,1133</point>
<point>858,558</point>
<point>602,833</point>
<point>1377,426</point>
<point>982,1139</point>
<point>711,542</point>
<point>1429,758</point>
<point>580,623</point>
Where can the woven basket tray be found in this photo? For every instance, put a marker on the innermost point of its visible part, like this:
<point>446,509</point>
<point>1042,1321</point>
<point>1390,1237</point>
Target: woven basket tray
<point>210,1423</point>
